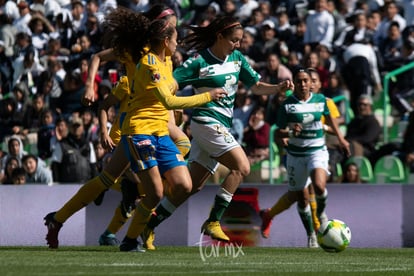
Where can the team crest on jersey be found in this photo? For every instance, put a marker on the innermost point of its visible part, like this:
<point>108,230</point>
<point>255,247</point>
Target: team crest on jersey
<point>237,66</point>
<point>155,76</point>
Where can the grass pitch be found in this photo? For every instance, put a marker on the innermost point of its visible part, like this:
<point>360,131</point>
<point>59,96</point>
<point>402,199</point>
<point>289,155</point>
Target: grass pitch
<point>244,261</point>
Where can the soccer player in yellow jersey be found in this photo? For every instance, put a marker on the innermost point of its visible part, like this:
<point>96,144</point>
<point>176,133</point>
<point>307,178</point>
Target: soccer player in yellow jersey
<point>151,152</point>
<point>122,24</point>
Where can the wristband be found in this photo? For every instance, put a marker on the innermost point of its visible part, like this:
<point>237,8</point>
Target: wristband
<point>325,128</point>
<point>290,133</point>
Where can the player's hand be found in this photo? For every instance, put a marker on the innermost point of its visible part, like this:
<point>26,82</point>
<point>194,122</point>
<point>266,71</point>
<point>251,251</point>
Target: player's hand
<point>344,144</point>
<point>218,93</point>
<point>286,85</point>
<point>107,142</point>
<point>88,97</point>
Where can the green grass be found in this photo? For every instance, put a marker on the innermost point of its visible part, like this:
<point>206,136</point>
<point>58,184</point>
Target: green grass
<point>89,260</point>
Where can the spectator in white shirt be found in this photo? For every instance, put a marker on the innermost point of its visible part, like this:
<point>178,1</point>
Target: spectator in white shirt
<point>320,26</point>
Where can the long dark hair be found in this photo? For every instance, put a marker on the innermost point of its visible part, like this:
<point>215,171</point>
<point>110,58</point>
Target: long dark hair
<point>125,31</point>
<point>204,37</point>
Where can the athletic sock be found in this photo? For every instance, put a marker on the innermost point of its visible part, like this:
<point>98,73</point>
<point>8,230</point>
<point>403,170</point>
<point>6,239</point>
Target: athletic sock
<point>183,144</point>
<point>321,202</point>
<point>163,211</point>
<point>117,221</point>
<point>281,205</point>
<point>306,217</point>
<point>221,203</point>
<point>139,221</point>
<point>85,195</point>
<point>314,206</point>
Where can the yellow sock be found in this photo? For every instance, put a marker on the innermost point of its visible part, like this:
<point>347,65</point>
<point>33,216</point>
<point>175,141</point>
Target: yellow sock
<point>183,144</point>
<point>139,221</point>
<point>281,205</point>
<point>314,206</point>
<point>117,221</point>
<point>85,195</point>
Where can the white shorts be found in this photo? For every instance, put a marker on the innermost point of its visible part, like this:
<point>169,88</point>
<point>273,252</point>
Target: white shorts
<point>209,142</point>
<point>299,168</point>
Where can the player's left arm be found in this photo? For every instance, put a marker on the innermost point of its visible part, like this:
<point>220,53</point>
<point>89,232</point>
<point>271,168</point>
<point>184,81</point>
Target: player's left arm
<point>344,144</point>
<point>262,88</point>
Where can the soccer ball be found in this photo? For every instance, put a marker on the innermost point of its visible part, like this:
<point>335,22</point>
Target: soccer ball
<point>334,236</point>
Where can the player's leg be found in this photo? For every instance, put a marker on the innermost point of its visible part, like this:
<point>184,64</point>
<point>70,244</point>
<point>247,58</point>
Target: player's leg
<point>85,195</point>
<point>319,174</point>
<point>305,215</point>
<point>166,163</point>
<point>313,206</point>
<point>174,195</point>
<point>267,215</point>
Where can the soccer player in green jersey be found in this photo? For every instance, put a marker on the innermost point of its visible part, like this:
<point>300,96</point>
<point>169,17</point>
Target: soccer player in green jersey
<point>299,119</point>
<point>217,63</point>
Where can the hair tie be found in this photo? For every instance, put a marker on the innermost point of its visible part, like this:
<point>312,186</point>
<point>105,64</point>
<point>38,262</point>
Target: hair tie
<point>165,13</point>
<point>228,27</point>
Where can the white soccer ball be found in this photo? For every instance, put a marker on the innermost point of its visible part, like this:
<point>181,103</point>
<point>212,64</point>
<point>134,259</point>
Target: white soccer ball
<point>334,236</point>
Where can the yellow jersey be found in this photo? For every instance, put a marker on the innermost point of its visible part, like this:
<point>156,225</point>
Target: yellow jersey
<point>333,110</point>
<point>152,94</point>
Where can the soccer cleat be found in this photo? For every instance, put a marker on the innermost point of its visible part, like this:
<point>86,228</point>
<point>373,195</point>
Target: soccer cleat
<point>213,229</point>
<point>312,241</point>
<point>130,245</point>
<point>266,223</point>
<point>109,239</point>
<point>148,237</point>
<point>53,228</point>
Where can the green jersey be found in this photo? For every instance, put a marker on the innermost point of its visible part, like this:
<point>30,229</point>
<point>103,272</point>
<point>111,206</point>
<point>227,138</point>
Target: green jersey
<point>205,71</point>
<point>309,114</point>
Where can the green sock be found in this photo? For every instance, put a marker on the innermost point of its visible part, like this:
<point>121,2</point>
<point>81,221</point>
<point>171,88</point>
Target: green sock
<point>220,206</point>
<point>306,217</point>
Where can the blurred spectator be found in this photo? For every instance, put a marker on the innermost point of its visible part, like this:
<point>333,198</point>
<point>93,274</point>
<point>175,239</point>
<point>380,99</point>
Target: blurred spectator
<point>6,71</point>
<point>40,28</point>
<point>19,176</point>
<point>351,174</point>
<point>21,23</point>
<point>26,65</point>
<point>266,43</point>
<point>77,12</point>
<point>74,159</point>
<point>90,125</point>
<point>256,137</point>
<point>408,6</point>
<point>9,123</point>
<point>275,71</point>
<point>313,60</point>
<point>64,28</point>
<point>363,132</point>
<point>358,31</point>
<point>100,155</point>
<point>50,88</point>
<point>81,50</point>
<point>36,173</point>
<point>73,88</point>
<point>245,9</point>
<point>61,131</point>
<point>390,14</point>
<point>45,134</point>
<point>391,46</point>
<point>15,148</point>
<point>32,119</point>
<point>11,163</point>
<point>7,34</point>
<point>360,72</point>
<point>23,100</point>
<point>320,26</point>
<point>297,44</point>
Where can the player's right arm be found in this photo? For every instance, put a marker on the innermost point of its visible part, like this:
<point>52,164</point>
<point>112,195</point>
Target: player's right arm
<point>105,55</point>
